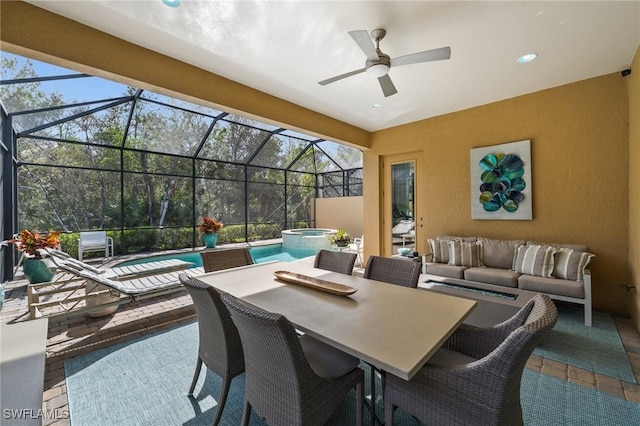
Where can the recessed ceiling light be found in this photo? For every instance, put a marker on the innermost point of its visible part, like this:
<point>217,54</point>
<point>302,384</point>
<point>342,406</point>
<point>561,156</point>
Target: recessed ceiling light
<point>376,106</point>
<point>172,3</point>
<point>527,58</point>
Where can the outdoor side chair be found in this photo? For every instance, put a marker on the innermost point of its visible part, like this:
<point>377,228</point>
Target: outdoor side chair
<point>475,377</point>
<point>393,271</point>
<point>291,380</point>
<point>335,261</point>
<point>95,241</point>
<point>217,260</point>
<point>220,348</point>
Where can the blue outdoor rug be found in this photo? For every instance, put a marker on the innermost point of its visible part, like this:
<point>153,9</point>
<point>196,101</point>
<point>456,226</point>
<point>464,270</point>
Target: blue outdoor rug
<point>597,348</point>
<point>144,382</point>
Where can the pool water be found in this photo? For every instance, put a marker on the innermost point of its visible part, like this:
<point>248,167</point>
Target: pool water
<point>259,254</point>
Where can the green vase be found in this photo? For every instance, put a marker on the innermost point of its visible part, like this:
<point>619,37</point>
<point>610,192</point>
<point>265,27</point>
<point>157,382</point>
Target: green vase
<point>38,271</point>
<point>210,240</point>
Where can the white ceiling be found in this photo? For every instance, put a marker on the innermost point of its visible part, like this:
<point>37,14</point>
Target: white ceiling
<point>285,47</point>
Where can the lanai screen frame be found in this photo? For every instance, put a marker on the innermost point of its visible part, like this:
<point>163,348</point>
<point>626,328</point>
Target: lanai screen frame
<point>339,180</point>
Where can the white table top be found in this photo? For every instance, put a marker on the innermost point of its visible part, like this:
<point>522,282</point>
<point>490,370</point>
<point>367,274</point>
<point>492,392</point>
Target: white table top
<point>394,328</point>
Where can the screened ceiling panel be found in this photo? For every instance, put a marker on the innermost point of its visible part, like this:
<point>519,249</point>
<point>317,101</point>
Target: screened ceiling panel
<point>59,91</point>
<point>232,142</point>
<point>306,162</point>
<point>279,151</point>
<point>345,156</point>
<point>159,123</point>
<point>103,127</point>
<point>179,103</point>
<point>160,128</point>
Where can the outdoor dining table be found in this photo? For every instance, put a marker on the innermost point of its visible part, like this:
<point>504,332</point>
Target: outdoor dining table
<point>394,328</point>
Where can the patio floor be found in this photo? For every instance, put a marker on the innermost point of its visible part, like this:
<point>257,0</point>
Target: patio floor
<point>77,335</point>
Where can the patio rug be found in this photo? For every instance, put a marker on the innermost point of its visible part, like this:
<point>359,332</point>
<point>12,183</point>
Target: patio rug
<point>144,382</point>
<point>597,348</point>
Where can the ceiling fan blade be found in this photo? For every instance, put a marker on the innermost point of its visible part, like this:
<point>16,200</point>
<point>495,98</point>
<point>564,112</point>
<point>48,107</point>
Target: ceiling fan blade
<point>362,39</point>
<point>340,77</point>
<point>387,86</point>
<point>426,56</point>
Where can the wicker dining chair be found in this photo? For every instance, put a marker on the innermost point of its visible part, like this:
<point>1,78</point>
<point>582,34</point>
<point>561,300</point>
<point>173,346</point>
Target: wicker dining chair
<point>335,261</point>
<point>475,377</point>
<point>291,380</point>
<point>216,260</point>
<point>394,271</point>
<point>220,348</point>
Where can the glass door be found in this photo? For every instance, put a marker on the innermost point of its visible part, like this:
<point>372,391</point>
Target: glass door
<point>402,218</point>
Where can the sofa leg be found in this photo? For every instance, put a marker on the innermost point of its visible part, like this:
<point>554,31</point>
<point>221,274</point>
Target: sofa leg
<point>587,314</point>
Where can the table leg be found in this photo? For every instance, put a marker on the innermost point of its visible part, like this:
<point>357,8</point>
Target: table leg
<point>372,404</point>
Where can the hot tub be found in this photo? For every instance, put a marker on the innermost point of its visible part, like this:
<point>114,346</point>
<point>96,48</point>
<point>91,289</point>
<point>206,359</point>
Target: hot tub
<point>308,240</point>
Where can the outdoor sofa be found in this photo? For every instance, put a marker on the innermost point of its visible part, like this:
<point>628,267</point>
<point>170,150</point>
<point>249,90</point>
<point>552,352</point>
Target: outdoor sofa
<point>494,265</point>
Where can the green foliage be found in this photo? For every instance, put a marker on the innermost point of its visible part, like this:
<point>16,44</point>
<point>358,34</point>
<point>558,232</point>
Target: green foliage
<point>341,237</point>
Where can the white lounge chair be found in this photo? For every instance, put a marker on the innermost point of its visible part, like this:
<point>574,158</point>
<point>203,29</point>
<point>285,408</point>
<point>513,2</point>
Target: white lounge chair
<point>95,241</point>
<point>120,272</point>
<point>403,232</point>
<point>63,291</point>
<point>86,294</point>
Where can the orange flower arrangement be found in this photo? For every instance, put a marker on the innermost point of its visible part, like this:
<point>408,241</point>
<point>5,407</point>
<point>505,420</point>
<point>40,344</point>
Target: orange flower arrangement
<point>31,241</point>
<point>210,226</point>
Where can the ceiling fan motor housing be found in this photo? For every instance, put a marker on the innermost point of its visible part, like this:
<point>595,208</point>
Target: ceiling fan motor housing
<point>380,67</point>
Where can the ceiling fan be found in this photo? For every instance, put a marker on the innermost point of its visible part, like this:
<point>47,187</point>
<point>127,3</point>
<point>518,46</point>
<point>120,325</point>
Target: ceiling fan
<point>378,63</point>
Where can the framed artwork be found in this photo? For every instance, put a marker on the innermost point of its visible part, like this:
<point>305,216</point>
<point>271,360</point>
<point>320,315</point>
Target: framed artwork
<point>501,182</point>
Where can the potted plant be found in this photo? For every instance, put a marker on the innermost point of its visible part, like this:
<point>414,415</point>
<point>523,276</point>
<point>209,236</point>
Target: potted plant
<point>341,238</point>
<point>31,242</point>
<point>209,230</point>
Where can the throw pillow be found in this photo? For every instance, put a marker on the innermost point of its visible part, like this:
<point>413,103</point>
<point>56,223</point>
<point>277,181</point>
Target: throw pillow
<point>534,260</point>
<point>440,250</point>
<point>463,253</point>
<point>570,264</point>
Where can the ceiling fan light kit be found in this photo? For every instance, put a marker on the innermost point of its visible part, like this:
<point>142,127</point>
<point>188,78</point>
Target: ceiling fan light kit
<point>378,70</point>
<point>378,63</point>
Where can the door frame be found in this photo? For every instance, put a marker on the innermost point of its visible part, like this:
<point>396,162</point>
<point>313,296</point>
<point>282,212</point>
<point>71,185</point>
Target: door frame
<point>387,195</point>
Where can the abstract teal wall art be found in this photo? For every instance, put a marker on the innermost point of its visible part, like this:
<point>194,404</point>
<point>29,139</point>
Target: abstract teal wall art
<point>501,182</point>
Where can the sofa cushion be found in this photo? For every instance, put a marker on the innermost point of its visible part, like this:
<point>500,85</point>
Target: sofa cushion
<point>497,276</point>
<point>551,286</point>
<point>557,246</point>
<point>499,253</point>
<point>534,260</point>
<point>440,250</point>
<point>570,264</point>
<point>463,253</point>
<point>446,270</point>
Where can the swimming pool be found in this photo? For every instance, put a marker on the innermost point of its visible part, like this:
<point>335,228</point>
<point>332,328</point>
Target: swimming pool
<point>259,254</point>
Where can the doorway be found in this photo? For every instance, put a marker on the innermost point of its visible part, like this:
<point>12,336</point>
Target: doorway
<point>402,204</point>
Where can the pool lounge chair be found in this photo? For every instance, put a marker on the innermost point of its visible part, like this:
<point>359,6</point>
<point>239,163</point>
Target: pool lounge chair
<point>403,231</point>
<point>85,295</point>
<point>120,272</point>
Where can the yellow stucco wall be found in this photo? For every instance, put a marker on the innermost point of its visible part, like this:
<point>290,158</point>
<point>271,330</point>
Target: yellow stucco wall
<point>579,155</point>
<point>633,82</point>
<point>33,32</point>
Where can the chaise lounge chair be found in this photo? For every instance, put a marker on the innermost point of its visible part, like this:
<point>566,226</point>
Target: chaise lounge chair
<point>77,290</point>
<point>120,272</point>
